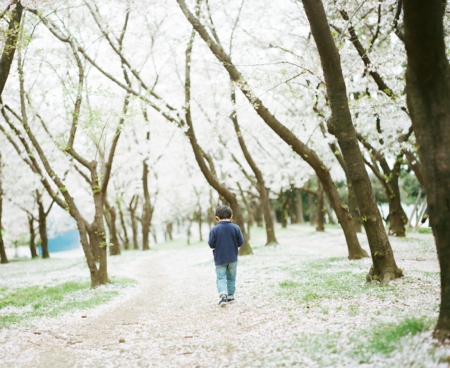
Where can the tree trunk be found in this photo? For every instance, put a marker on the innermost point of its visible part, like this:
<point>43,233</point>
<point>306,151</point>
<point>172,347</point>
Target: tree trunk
<point>147,209</point>
<point>320,210</point>
<point>134,223</point>
<point>3,257</point>
<point>384,267</point>
<point>414,211</point>
<point>258,214</point>
<point>169,230</point>
<point>353,208</point>
<point>153,232</point>
<point>110,216</point>
<point>428,98</point>
<point>293,207</point>
<point>397,216</point>
<point>299,207</point>
<point>284,203</point>
<point>200,222</point>
<point>94,242</point>
<point>101,276</point>
<point>312,210</point>
<point>42,219</point>
<point>32,237</point>
<point>126,241</point>
<point>10,44</point>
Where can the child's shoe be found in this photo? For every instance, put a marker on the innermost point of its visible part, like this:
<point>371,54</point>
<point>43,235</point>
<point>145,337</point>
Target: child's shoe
<point>230,299</point>
<point>223,300</point>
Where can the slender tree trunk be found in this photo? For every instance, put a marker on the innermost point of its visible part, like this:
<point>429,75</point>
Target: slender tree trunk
<point>147,209</point>
<point>397,216</point>
<point>293,206</point>
<point>3,257</point>
<point>414,211</point>
<point>283,198</point>
<point>42,219</point>
<point>169,230</point>
<point>126,240</point>
<point>153,232</point>
<point>320,210</point>
<point>32,237</point>
<point>258,213</point>
<point>312,210</point>
<point>134,223</point>
<point>111,217</point>
<point>384,267</point>
<point>200,222</point>
<point>428,98</point>
<point>299,202</point>
<point>249,210</point>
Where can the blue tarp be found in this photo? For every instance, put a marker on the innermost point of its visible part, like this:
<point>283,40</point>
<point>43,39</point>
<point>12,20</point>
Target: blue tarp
<point>67,241</point>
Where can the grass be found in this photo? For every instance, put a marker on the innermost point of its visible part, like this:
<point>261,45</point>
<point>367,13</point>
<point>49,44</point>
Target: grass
<point>386,339</point>
<point>333,278</point>
<point>20,305</point>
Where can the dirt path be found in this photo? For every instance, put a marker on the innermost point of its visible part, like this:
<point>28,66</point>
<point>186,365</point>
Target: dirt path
<point>172,318</point>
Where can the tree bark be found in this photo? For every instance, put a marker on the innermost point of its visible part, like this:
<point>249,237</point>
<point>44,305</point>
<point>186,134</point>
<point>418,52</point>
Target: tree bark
<point>9,49</point>
<point>428,98</point>
<point>126,240</point>
<point>169,230</point>
<point>299,206</point>
<point>111,217</point>
<point>312,210</point>
<point>132,207</point>
<point>147,210</point>
<point>397,216</point>
<point>3,257</point>
<point>32,237</point>
<point>384,266</point>
<point>355,250</point>
<point>353,208</point>
<point>94,242</point>
<point>42,220</point>
<point>320,210</point>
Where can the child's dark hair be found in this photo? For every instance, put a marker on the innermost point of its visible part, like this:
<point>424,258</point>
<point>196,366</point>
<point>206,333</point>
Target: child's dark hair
<point>224,212</point>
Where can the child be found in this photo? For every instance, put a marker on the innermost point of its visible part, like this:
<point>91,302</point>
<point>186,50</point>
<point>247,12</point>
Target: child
<point>225,239</point>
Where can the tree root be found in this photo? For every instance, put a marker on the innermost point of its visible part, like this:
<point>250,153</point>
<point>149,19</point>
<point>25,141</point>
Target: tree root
<point>443,336</point>
<point>384,278</point>
<point>361,255</point>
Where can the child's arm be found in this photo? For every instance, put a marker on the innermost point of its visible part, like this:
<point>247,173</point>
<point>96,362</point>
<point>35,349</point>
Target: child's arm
<point>212,240</point>
<point>240,238</point>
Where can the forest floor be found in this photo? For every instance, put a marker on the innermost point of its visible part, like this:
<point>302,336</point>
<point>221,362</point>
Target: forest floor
<point>299,304</point>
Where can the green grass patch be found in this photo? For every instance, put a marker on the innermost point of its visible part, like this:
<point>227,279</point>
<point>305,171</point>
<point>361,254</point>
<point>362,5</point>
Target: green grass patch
<point>426,230</point>
<point>18,306</point>
<point>386,339</point>
<point>333,278</point>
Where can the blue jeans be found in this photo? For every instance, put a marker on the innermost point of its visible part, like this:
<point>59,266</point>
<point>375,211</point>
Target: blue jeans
<point>226,278</point>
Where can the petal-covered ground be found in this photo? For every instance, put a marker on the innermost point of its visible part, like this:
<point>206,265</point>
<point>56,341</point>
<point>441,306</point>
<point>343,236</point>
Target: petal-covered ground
<point>299,304</point>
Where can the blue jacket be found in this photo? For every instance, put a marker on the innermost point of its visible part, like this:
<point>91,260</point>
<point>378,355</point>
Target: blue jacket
<point>225,239</point>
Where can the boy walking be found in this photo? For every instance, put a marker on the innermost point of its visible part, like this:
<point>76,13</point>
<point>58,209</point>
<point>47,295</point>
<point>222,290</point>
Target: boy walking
<point>225,239</point>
